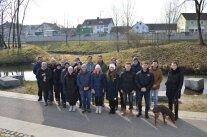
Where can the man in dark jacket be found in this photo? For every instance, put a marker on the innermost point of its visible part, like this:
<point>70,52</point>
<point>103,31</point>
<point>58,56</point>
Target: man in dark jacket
<point>127,87</point>
<point>64,71</point>
<point>104,67</point>
<point>44,77</point>
<point>173,87</point>
<point>84,84</point>
<point>52,67</point>
<point>136,67</point>
<point>144,81</point>
<point>58,87</point>
<point>36,67</point>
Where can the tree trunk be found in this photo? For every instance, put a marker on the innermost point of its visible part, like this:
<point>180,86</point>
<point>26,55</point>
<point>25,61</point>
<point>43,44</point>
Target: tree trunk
<point>18,26</point>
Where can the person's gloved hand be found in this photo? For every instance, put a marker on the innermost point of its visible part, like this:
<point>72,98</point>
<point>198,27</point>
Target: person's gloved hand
<point>178,94</point>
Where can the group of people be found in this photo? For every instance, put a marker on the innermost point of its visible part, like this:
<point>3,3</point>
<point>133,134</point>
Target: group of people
<point>89,82</point>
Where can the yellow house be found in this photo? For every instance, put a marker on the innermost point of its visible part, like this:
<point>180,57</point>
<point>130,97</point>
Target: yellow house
<point>187,22</point>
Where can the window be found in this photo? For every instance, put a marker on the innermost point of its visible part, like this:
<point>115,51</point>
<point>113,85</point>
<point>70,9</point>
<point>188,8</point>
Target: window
<point>137,27</point>
<point>192,22</point>
<point>105,25</point>
<point>97,27</point>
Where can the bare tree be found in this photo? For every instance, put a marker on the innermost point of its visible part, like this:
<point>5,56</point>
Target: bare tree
<point>116,17</point>
<point>128,12</point>
<point>171,13</point>
<point>199,7</point>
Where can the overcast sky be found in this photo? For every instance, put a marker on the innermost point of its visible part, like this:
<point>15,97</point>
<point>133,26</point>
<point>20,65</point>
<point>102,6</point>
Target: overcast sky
<point>39,11</point>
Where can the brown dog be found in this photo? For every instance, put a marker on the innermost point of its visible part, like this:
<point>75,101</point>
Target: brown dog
<point>165,112</point>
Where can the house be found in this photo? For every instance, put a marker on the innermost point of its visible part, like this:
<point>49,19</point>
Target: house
<point>97,26</point>
<point>187,22</point>
<point>48,29</point>
<point>162,28</point>
<point>140,27</point>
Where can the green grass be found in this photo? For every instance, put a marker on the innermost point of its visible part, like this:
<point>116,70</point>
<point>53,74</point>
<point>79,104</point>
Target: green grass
<point>25,55</point>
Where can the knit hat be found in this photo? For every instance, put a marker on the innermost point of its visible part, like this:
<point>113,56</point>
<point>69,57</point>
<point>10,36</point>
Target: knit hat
<point>98,66</point>
<point>135,58</point>
<point>112,66</point>
<point>70,68</point>
<point>83,66</point>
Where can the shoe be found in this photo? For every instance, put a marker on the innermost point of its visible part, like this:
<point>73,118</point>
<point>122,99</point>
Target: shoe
<point>97,109</point>
<point>139,114</point>
<point>58,103</point>
<point>46,104</point>
<point>70,108</point>
<point>123,112</point>
<point>146,116</point>
<point>176,118</point>
<point>64,105</point>
<point>40,99</point>
<point>74,108</point>
<point>88,110</point>
<point>130,112</point>
<point>83,111</point>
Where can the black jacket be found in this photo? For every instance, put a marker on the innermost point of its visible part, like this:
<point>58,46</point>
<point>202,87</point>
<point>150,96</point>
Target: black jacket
<point>144,80</point>
<point>70,88</point>
<point>44,74</point>
<point>174,82</point>
<point>57,76</point>
<point>127,81</point>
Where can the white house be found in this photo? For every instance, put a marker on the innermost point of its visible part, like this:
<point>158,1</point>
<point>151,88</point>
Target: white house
<point>48,29</point>
<point>140,27</point>
<point>99,25</point>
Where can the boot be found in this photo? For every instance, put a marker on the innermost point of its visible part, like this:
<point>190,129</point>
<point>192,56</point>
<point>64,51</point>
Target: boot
<point>97,109</point>
<point>74,108</point>
<point>100,109</point>
<point>70,108</point>
<point>123,112</point>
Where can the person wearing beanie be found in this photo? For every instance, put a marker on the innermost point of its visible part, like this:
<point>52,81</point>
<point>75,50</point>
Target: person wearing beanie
<point>112,87</point>
<point>70,88</point>
<point>58,86</point>
<point>97,86</point>
<point>84,84</point>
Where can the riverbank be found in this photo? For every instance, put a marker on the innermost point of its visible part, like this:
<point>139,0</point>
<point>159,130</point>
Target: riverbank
<point>190,56</point>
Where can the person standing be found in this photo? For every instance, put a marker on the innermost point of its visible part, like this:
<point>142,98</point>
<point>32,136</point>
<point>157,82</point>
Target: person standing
<point>64,71</point>
<point>44,76</point>
<point>77,70</point>
<point>84,84</point>
<point>70,88</point>
<point>52,67</point>
<point>58,87</point>
<point>36,67</point>
<point>112,87</point>
<point>144,81</point>
<point>90,65</point>
<point>157,73</point>
<point>104,67</point>
<point>119,70</point>
<point>97,86</point>
<point>174,85</point>
<point>127,87</point>
<point>136,67</point>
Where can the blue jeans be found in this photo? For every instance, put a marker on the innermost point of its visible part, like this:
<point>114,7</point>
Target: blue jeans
<point>147,101</point>
<point>86,99</point>
<point>154,93</point>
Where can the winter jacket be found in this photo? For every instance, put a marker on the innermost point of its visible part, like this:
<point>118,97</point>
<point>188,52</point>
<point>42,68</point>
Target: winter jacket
<point>127,81</point>
<point>144,80</point>
<point>98,83</point>
<point>90,67</point>
<point>112,87</point>
<point>36,67</point>
<point>174,82</point>
<point>157,73</point>
<point>44,75</point>
<point>57,76</point>
<point>136,68</point>
<point>84,80</point>
<point>70,88</point>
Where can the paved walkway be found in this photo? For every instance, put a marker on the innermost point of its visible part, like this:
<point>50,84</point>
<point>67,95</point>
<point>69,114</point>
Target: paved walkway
<point>22,113</point>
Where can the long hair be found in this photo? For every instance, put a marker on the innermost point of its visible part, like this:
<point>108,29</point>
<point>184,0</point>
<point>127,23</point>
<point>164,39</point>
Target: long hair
<point>111,75</point>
